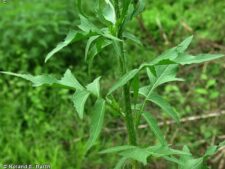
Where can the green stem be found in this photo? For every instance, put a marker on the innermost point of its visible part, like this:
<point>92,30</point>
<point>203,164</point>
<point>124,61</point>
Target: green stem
<point>128,111</point>
<point>129,116</point>
<point>129,120</point>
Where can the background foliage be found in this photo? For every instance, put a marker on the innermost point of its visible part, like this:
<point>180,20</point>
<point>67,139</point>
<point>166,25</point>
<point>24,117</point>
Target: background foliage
<point>40,126</point>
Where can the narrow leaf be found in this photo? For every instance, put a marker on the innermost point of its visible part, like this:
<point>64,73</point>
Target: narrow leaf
<point>123,80</point>
<point>109,12</point>
<point>132,38</point>
<point>162,103</point>
<point>120,163</point>
<point>126,4</point>
<point>90,41</point>
<point>190,59</point>
<point>117,149</point>
<point>79,99</point>
<point>162,151</point>
<point>86,25</point>
<point>96,122</point>
<point>182,47</point>
<point>96,49</point>
<point>154,127</point>
<point>69,38</point>
<point>139,7</point>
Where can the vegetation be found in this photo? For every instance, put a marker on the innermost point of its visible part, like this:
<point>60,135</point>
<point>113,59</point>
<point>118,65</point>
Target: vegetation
<point>44,119</point>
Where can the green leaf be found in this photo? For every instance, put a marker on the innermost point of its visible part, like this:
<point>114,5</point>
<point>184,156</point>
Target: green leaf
<point>72,36</point>
<point>139,154</point>
<point>173,53</point>
<point>109,12</point>
<point>79,5</point>
<point>162,103</point>
<point>90,41</point>
<point>142,154</point>
<point>182,47</point>
<point>211,151</point>
<point>163,151</point>
<point>87,26</point>
<point>68,80</point>
<point>222,144</point>
<point>96,122</point>
<point>190,59</point>
<point>169,54</point>
<point>120,163</point>
<point>94,87</point>
<point>154,127</point>
<point>197,163</point>
<point>126,4</point>
<point>36,80</point>
<point>123,80</point>
<point>162,74</point>
<point>189,162</point>
<point>140,6</point>
<point>79,99</point>
<point>172,159</point>
<point>99,45</point>
<point>132,38</point>
<point>117,149</point>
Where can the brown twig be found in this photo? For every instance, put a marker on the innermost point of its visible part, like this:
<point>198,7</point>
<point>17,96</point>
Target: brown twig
<point>170,122</point>
<point>146,32</point>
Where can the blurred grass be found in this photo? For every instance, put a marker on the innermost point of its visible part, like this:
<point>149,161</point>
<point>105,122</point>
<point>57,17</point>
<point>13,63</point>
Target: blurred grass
<point>39,125</point>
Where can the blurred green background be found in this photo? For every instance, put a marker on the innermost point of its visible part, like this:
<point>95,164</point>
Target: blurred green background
<point>40,125</point>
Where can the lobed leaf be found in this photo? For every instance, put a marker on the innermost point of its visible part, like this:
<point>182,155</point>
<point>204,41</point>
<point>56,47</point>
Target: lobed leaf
<point>94,87</point>
<point>68,80</point>
<point>137,153</point>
